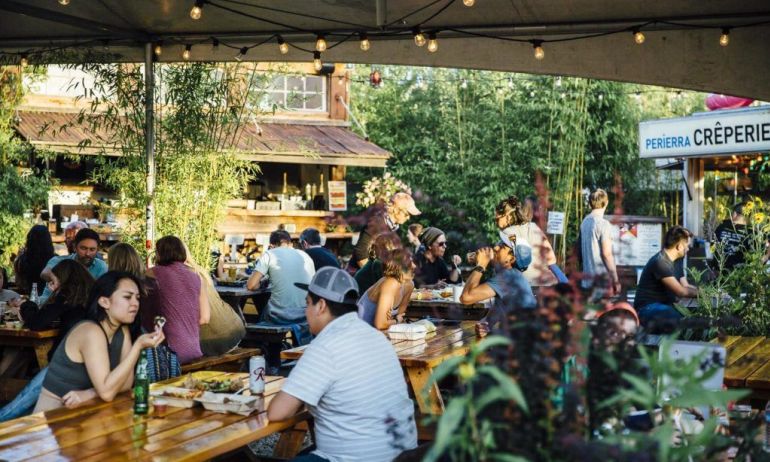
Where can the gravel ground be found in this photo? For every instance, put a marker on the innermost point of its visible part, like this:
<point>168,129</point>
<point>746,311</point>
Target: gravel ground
<point>264,447</point>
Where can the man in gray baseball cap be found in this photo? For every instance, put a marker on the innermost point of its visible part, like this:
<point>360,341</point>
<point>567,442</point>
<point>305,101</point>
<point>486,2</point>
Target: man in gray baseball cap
<point>347,361</point>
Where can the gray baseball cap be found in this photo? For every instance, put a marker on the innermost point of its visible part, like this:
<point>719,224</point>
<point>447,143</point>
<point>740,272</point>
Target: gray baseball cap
<point>332,284</point>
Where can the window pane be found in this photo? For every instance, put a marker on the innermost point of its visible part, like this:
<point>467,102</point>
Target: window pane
<point>295,84</point>
<point>278,98</point>
<point>314,84</point>
<point>314,102</point>
<point>279,83</point>
<point>295,101</point>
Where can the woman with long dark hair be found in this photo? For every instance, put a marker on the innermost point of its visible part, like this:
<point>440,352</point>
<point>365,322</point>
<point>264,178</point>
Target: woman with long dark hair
<point>33,258</point>
<point>97,357</point>
<point>384,303</point>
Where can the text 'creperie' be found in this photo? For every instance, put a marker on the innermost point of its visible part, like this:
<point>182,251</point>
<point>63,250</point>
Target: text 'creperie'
<point>713,136</point>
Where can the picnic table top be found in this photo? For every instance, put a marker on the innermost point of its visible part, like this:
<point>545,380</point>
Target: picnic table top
<point>748,362</point>
<point>28,333</point>
<point>448,340</point>
<point>101,431</point>
<point>240,291</point>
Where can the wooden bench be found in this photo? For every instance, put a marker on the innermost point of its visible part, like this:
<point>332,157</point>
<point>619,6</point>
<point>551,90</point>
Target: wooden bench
<point>233,361</point>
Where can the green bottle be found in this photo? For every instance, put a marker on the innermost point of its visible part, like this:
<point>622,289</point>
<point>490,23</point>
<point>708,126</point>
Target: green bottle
<point>141,386</point>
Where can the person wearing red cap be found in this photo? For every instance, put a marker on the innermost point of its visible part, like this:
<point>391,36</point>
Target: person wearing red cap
<point>382,219</point>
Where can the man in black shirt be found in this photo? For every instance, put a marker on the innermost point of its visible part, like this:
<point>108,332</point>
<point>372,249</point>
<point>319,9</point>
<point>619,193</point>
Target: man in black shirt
<point>733,238</point>
<point>660,285</point>
<point>310,240</point>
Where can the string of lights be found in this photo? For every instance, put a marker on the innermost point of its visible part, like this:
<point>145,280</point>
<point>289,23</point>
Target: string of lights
<point>421,33</point>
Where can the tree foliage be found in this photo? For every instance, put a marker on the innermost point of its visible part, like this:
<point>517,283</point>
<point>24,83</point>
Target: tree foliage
<point>463,140</point>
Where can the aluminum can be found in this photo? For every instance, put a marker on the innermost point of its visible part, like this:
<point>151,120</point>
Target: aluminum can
<point>257,375</point>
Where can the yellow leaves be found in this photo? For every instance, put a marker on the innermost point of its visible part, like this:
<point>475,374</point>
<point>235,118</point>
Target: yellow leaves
<point>466,371</point>
<point>759,217</point>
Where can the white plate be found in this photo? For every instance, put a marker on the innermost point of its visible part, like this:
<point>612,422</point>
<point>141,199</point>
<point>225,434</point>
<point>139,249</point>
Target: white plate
<point>227,402</point>
<point>173,400</point>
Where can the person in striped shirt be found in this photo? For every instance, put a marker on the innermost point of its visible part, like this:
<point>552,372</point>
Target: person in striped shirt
<point>350,379</point>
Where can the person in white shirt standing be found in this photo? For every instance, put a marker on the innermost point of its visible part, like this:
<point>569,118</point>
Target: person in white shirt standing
<point>350,379</point>
<point>596,244</point>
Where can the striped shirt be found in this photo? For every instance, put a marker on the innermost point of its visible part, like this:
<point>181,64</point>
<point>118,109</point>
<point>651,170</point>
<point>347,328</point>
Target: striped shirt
<point>351,380</point>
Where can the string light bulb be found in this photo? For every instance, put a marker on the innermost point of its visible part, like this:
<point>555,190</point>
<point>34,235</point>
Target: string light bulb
<point>419,37</point>
<point>24,62</point>
<point>469,3</point>
<point>724,39</point>
<point>432,42</point>
<point>186,52</point>
<point>64,2</point>
<point>365,43</point>
<point>158,50</point>
<point>197,10</point>
<point>320,43</point>
<point>215,44</point>
<point>638,36</point>
<point>241,53</point>
<point>317,64</point>
<point>537,45</point>
<point>283,47</point>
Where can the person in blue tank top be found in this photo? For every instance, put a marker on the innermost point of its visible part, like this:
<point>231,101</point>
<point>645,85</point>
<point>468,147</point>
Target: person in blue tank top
<point>97,357</point>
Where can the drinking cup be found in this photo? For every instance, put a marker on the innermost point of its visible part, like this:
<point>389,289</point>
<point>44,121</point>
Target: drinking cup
<point>231,273</point>
<point>160,406</point>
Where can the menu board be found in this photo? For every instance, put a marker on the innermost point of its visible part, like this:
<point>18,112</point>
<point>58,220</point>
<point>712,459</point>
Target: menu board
<point>633,244</point>
<point>338,195</point>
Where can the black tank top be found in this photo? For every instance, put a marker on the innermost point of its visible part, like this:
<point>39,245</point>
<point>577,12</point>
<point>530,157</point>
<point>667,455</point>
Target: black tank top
<point>65,375</point>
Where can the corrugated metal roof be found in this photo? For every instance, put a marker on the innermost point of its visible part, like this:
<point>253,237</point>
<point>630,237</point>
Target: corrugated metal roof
<point>267,142</point>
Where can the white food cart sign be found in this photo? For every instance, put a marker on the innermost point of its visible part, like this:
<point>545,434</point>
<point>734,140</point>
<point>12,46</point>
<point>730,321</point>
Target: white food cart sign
<point>338,195</point>
<point>710,133</point>
<point>555,223</point>
<point>633,244</point>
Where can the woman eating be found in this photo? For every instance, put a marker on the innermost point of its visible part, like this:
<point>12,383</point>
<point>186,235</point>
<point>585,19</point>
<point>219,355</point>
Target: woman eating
<point>97,357</point>
<point>384,303</point>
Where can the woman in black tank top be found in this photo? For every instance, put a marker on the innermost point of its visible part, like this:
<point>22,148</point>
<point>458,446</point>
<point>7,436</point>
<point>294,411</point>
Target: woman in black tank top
<point>97,357</point>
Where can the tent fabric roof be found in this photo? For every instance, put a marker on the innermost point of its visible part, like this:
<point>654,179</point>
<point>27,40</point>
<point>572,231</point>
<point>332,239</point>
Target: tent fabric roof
<point>678,50</point>
<point>267,142</point>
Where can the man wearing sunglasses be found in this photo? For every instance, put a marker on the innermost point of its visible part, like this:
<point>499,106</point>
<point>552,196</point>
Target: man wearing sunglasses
<point>381,220</point>
<point>432,272</point>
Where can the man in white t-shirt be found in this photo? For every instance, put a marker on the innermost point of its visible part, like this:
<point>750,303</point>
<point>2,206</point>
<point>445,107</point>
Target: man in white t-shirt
<point>284,266</point>
<point>350,379</point>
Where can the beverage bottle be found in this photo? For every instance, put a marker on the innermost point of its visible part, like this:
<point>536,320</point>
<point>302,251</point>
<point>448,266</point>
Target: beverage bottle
<point>33,295</point>
<point>141,386</point>
<point>766,444</point>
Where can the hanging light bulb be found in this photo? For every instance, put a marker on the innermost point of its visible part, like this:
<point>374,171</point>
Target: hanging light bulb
<point>24,61</point>
<point>186,52</point>
<point>419,38</point>
<point>214,44</point>
<point>317,64</point>
<point>283,47</point>
<point>64,2</point>
<point>638,36</point>
<point>432,42</point>
<point>365,43</point>
<point>538,47</point>
<point>469,3</point>
<point>241,53</point>
<point>158,50</point>
<point>320,43</point>
<point>197,10</point>
<point>724,39</point>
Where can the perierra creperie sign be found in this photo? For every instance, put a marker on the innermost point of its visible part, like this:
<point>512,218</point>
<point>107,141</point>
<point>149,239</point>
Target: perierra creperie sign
<point>707,133</point>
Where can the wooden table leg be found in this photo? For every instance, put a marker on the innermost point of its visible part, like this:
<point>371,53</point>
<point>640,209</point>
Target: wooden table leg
<point>290,441</point>
<point>430,403</point>
<point>41,352</point>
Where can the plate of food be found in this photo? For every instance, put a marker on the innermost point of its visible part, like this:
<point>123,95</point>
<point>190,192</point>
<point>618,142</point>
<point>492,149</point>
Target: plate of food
<point>237,404</point>
<point>422,294</point>
<point>214,385</point>
<point>177,396</point>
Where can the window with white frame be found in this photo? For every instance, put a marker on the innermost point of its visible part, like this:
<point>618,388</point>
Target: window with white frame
<point>298,93</point>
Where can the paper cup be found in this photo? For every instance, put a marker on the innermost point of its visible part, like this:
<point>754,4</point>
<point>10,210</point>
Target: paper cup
<point>456,292</point>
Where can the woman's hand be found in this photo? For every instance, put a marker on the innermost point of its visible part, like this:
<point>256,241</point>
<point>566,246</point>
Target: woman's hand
<point>76,398</point>
<point>150,340</point>
<point>456,260</point>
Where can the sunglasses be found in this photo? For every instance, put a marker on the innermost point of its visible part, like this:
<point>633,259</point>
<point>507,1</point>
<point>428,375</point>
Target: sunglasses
<point>441,244</point>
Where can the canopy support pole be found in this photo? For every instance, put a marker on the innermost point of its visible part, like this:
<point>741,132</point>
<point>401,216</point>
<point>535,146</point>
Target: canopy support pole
<point>149,140</point>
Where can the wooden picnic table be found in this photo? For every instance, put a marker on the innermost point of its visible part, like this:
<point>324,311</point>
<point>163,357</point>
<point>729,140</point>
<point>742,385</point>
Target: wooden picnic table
<point>41,341</point>
<point>418,358</point>
<point>100,431</point>
<point>446,309</point>
<point>235,295</point>
<point>748,364</point>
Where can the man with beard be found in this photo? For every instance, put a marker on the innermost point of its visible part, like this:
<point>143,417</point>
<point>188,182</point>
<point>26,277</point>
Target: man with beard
<point>86,245</point>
